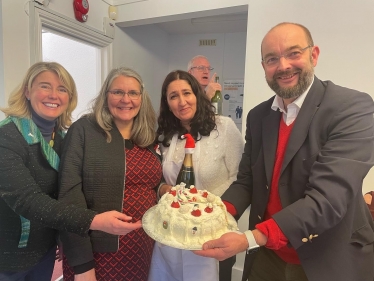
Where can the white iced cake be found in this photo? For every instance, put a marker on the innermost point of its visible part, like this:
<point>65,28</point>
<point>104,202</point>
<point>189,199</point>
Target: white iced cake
<point>190,217</point>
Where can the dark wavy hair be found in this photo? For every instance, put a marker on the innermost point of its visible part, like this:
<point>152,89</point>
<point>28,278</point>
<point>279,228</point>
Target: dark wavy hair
<point>202,123</point>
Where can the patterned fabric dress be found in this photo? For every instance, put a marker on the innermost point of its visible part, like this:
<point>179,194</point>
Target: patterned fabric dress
<point>132,261</point>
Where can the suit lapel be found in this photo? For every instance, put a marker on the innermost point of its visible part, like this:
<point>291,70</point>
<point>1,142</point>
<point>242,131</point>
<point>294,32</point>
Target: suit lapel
<point>303,120</point>
<point>270,128</point>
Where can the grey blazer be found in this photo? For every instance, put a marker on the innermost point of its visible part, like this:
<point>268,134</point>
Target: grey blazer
<point>329,153</point>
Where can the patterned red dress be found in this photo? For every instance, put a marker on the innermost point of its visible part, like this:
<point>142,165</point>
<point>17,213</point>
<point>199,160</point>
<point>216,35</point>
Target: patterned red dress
<point>132,260</point>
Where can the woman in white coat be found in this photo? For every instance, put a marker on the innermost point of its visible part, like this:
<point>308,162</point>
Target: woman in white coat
<point>184,108</point>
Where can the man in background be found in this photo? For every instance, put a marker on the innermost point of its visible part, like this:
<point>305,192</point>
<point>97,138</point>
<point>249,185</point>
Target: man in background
<point>200,68</point>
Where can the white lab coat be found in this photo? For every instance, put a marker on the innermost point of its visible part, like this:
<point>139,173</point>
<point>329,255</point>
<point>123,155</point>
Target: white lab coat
<point>171,264</point>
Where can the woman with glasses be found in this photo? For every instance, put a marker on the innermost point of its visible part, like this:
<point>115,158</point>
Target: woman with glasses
<point>184,108</point>
<point>109,162</point>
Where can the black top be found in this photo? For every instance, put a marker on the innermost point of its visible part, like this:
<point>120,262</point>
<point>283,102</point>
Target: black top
<point>28,184</point>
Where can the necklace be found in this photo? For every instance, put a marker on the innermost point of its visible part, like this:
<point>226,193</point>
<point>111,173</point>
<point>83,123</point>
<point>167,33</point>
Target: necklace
<point>52,141</point>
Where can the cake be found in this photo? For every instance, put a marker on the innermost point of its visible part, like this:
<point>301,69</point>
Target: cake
<point>186,218</point>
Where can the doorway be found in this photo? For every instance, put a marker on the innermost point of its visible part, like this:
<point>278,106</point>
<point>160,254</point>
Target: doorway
<point>81,60</point>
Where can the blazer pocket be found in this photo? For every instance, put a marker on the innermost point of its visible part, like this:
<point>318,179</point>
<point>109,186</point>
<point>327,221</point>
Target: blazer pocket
<point>308,162</point>
<point>363,236</point>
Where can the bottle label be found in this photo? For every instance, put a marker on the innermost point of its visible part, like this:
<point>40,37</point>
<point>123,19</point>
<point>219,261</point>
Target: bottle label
<point>187,176</point>
<point>215,109</point>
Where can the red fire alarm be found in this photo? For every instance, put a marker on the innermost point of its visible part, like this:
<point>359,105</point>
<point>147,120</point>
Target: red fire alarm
<point>81,8</point>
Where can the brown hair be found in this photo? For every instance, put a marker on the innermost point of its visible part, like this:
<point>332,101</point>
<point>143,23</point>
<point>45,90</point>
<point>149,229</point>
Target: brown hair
<point>202,123</point>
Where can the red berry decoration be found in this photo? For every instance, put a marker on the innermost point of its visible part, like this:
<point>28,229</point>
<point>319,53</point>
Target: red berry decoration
<point>193,190</point>
<point>175,204</point>
<point>196,213</point>
<point>173,192</point>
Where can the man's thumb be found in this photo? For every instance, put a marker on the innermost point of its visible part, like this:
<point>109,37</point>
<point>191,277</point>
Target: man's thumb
<point>209,245</point>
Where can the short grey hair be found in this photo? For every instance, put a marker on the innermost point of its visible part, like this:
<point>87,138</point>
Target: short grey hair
<point>190,63</point>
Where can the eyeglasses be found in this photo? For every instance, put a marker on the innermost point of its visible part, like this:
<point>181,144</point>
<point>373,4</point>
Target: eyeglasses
<point>119,94</point>
<point>292,55</point>
<point>202,68</point>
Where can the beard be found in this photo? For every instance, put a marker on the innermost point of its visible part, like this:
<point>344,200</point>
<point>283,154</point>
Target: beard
<point>305,79</point>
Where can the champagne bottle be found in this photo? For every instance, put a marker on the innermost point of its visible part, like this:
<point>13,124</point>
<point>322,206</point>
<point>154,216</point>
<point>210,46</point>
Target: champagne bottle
<point>217,100</point>
<point>186,173</point>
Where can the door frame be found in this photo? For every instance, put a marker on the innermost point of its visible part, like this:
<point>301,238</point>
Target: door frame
<point>42,17</point>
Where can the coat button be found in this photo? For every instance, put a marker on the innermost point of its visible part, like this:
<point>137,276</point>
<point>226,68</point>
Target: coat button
<point>305,240</point>
<point>259,217</point>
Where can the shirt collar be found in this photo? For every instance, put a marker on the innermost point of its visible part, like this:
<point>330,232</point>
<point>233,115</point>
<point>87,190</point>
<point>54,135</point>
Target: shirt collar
<point>278,102</point>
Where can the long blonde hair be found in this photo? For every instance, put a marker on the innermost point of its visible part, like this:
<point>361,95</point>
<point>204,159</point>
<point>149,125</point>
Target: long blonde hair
<point>19,106</point>
<point>144,125</point>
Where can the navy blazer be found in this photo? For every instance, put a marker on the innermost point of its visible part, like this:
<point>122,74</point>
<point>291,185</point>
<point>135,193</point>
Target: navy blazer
<point>330,151</point>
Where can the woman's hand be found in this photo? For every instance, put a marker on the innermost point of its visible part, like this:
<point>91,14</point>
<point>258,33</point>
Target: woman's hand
<point>59,252</point>
<point>86,276</point>
<point>114,222</point>
<point>164,189</point>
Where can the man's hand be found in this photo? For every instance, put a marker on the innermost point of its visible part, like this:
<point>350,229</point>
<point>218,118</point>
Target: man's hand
<point>368,198</point>
<point>228,245</point>
<point>86,276</point>
<point>212,87</point>
<point>114,222</point>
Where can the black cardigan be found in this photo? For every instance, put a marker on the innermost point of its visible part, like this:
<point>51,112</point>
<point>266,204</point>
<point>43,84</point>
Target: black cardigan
<point>28,187</point>
<point>92,175</point>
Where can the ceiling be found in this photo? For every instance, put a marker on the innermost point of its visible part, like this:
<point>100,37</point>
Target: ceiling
<point>187,24</point>
<point>212,24</point>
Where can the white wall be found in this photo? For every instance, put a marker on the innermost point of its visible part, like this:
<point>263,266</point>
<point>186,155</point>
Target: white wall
<point>15,44</point>
<point>2,88</point>
<point>166,10</point>
<point>227,57</point>
<point>144,49</point>
<point>153,53</point>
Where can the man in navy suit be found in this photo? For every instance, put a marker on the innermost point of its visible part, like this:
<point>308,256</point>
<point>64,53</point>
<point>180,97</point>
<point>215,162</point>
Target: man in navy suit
<point>307,151</point>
